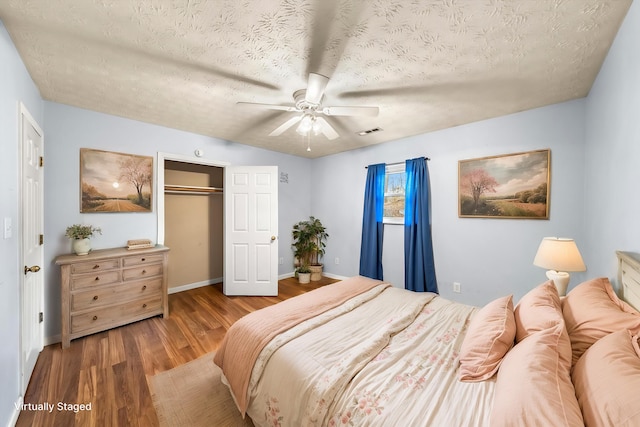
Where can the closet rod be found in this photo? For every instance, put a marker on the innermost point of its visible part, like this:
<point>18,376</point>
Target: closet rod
<point>192,193</point>
<point>398,163</point>
<point>190,189</point>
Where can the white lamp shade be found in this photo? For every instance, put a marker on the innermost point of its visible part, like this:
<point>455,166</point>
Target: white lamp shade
<point>559,254</point>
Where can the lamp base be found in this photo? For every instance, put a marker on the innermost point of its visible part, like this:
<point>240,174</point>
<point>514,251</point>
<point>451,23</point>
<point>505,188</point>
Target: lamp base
<point>560,279</point>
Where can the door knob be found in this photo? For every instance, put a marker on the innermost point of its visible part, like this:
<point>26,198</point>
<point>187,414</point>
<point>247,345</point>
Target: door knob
<point>273,238</point>
<point>33,269</point>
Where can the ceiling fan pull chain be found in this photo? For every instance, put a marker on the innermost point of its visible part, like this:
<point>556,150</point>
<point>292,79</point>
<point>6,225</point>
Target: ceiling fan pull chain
<point>309,141</point>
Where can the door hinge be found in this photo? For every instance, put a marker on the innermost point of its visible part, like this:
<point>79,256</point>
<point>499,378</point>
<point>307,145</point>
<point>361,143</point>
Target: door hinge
<point>41,161</point>
<point>41,239</point>
<point>41,317</point>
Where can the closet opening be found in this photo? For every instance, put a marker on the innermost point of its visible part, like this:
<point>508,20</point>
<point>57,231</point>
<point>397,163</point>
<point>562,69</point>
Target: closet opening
<point>190,220</point>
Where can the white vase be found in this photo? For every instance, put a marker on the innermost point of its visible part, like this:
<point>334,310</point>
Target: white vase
<point>81,246</point>
<point>304,277</point>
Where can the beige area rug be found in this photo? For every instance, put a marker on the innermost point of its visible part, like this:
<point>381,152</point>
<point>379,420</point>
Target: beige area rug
<point>193,395</point>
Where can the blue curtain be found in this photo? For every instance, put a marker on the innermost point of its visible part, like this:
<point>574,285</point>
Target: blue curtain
<point>419,268</point>
<point>372,226</point>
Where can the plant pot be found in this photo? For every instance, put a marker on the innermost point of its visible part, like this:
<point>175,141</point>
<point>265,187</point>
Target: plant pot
<point>316,272</point>
<point>81,246</point>
<point>304,277</point>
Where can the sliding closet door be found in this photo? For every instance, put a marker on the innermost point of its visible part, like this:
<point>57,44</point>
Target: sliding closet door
<point>251,230</point>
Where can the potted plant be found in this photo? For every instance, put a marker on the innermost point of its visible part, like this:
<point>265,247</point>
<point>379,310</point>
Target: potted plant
<point>308,245</point>
<point>80,233</point>
<point>304,274</point>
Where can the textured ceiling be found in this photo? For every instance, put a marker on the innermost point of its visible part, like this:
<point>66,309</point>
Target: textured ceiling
<point>428,65</point>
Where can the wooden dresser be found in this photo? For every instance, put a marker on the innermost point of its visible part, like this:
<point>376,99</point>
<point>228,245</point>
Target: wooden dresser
<point>111,287</point>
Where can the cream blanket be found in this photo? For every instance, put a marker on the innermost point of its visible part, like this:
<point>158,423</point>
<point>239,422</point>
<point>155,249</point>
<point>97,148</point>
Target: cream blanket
<point>387,358</point>
<point>247,337</point>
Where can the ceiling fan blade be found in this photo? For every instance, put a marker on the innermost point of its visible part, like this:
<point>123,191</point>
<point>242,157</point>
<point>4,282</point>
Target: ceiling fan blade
<point>326,129</point>
<point>315,88</point>
<point>351,111</point>
<point>286,125</point>
<point>290,108</point>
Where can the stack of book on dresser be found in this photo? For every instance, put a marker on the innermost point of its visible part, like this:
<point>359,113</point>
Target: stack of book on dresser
<point>139,244</point>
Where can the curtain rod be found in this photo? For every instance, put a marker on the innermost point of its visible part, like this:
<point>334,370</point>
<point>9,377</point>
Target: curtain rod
<point>398,163</point>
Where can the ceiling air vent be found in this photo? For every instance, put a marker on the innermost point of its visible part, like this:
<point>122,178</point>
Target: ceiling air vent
<point>367,132</point>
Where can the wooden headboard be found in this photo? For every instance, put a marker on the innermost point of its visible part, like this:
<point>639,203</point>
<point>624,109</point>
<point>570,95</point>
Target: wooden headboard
<point>629,277</point>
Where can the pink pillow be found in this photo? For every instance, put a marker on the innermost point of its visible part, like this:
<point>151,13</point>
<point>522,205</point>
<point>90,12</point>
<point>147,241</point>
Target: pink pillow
<point>489,336</point>
<point>592,310</point>
<point>534,386</point>
<point>607,381</point>
<point>538,310</point>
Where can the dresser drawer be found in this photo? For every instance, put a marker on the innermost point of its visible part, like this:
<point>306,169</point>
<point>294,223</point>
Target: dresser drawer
<point>142,272</point>
<point>141,260</point>
<point>103,278</point>
<point>109,317</point>
<point>99,297</point>
<point>86,267</point>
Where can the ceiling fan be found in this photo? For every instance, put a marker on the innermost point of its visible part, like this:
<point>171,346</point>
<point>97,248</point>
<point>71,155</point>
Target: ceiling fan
<point>308,102</point>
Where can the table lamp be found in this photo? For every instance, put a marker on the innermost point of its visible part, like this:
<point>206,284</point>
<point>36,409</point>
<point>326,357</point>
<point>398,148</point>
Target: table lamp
<point>559,255</point>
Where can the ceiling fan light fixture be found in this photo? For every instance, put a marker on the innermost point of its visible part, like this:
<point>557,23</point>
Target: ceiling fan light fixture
<point>306,124</point>
<point>317,127</point>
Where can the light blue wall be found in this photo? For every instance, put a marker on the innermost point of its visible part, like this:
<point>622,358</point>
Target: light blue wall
<point>68,129</point>
<point>612,178</point>
<point>15,86</point>
<point>489,257</point>
<point>594,150</point>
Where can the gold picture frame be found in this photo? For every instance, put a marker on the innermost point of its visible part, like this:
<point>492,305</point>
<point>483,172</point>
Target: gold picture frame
<point>115,182</point>
<point>505,186</point>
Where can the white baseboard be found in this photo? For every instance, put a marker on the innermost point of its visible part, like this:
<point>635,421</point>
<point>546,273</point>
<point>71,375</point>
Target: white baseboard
<point>53,339</point>
<point>286,275</point>
<point>16,412</point>
<point>189,286</point>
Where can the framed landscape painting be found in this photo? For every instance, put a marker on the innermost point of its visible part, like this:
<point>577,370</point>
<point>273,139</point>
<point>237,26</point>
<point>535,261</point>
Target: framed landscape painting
<point>505,186</point>
<point>115,182</point>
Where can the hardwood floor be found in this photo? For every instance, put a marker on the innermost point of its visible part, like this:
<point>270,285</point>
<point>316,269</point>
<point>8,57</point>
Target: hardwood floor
<point>108,370</point>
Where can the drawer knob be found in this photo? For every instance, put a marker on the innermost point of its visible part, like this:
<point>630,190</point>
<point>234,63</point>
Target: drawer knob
<point>97,278</point>
<point>144,259</point>
<point>95,317</point>
<point>144,271</point>
<point>95,297</point>
<point>96,266</point>
<point>144,305</point>
<point>144,287</point>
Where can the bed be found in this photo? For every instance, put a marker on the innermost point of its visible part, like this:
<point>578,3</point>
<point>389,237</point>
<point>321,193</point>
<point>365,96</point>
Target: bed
<point>361,352</point>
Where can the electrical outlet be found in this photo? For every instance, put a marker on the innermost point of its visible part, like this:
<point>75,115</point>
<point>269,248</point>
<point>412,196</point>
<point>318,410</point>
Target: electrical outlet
<point>337,260</point>
<point>456,287</point>
<point>281,261</point>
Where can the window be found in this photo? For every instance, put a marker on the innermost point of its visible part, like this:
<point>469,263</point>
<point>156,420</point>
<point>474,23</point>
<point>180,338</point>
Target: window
<point>394,187</point>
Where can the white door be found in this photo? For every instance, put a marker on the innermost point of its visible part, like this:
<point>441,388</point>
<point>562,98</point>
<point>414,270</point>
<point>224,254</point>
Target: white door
<point>31,290</point>
<point>251,230</point>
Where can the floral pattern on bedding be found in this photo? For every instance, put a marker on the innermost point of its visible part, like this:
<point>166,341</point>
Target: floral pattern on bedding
<point>272,416</point>
<point>403,363</point>
<point>365,405</point>
<point>424,360</point>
